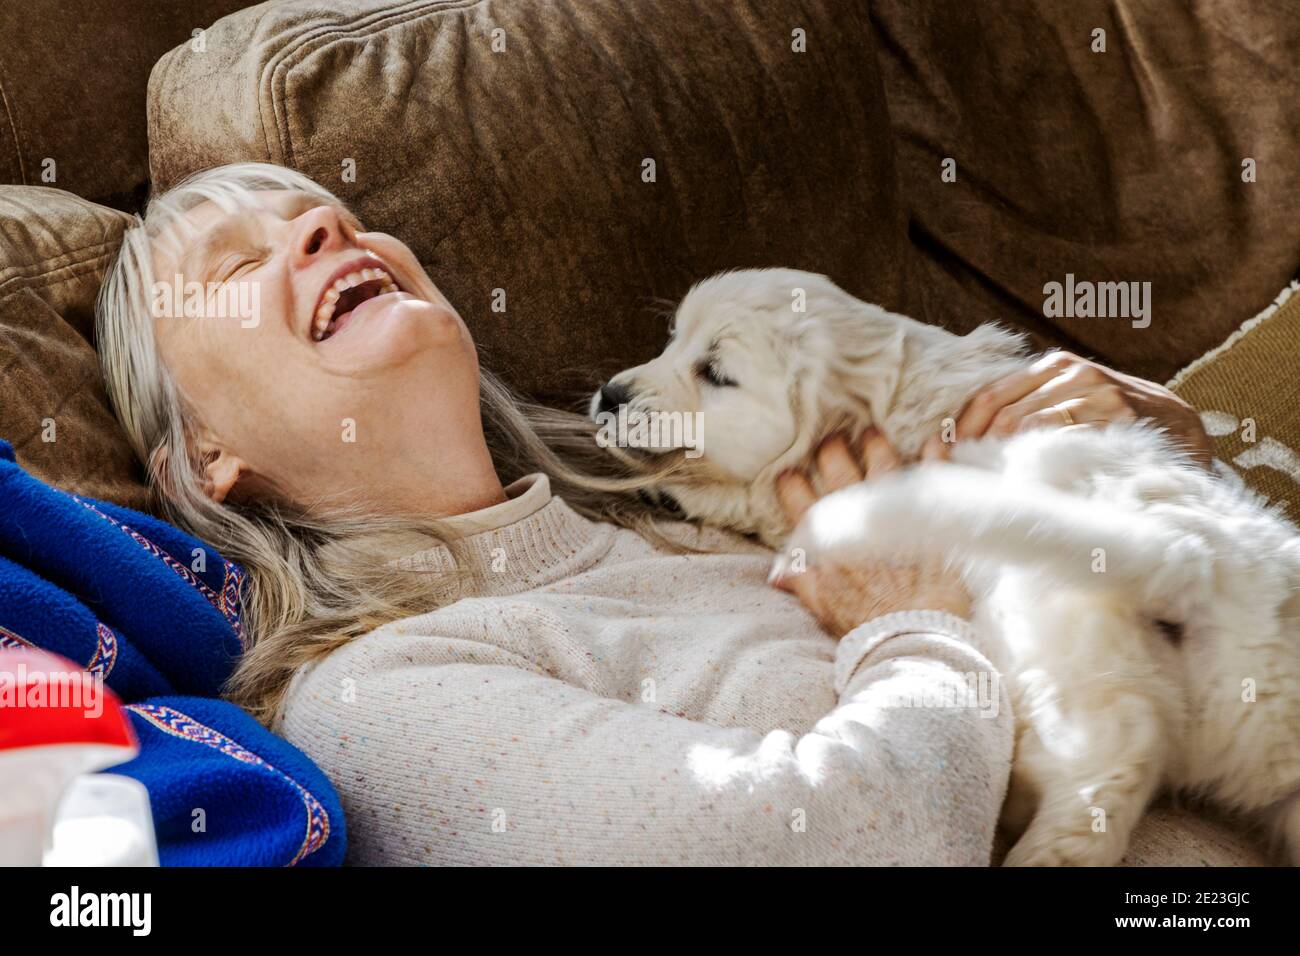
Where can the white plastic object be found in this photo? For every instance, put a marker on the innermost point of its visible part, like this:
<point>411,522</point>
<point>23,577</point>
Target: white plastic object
<point>57,722</point>
<point>103,820</point>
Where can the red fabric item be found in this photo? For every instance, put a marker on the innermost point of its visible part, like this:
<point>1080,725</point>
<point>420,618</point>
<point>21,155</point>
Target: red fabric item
<point>46,699</point>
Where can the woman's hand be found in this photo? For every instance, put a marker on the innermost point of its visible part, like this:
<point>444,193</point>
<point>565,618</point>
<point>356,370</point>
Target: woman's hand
<point>1062,389</point>
<point>840,596</point>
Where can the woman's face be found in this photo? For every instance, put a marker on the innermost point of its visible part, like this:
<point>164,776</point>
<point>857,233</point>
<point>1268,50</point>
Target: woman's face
<point>322,362</point>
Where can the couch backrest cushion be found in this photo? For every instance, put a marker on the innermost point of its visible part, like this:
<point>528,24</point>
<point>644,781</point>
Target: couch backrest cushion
<point>72,87</point>
<point>1163,149</point>
<point>54,248</point>
<point>509,145</point>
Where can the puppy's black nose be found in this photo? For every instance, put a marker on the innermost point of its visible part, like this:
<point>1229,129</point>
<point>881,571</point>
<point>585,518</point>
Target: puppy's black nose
<point>612,396</point>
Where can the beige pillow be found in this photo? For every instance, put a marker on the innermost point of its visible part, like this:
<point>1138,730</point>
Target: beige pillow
<point>1248,393</point>
<point>54,248</point>
<point>509,145</point>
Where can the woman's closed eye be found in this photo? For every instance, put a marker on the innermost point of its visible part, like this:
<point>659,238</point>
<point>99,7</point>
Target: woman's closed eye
<point>238,266</point>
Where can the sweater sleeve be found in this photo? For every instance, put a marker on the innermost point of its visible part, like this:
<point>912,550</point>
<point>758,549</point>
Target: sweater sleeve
<point>452,751</point>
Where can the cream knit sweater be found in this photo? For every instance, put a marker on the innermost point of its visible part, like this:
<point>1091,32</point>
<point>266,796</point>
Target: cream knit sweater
<point>600,700</point>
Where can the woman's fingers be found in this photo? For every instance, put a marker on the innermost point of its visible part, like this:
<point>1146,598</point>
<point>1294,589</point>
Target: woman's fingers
<point>1074,399</point>
<point>836,465</point>
<point>1062,384</point>
<point>1054,394</point>
<point>980,412</point>
<point>936,449</point>
<point>836,468</point>
<point>796,494</point>
<point>1076,412</point>
<point>878,456</point>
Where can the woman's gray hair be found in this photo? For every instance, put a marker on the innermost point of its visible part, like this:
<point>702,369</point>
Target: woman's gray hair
<point>315,580</point>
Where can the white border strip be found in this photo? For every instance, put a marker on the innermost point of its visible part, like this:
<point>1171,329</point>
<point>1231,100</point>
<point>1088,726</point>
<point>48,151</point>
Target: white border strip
<point>1235,337</point>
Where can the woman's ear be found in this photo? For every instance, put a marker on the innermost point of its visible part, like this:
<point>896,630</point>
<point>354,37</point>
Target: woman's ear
<point>221,471</point>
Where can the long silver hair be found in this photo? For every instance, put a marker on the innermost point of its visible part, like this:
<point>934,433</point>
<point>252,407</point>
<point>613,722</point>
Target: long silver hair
<point>315,579</point>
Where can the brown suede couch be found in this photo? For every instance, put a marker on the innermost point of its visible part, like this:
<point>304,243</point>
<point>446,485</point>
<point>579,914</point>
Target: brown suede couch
<point>592,159</point>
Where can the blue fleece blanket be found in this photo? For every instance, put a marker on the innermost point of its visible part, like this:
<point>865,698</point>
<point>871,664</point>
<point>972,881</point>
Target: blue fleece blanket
<point>157,613</point>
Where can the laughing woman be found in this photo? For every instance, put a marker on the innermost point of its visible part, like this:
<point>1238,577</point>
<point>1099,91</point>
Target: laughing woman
<point>488,653</point>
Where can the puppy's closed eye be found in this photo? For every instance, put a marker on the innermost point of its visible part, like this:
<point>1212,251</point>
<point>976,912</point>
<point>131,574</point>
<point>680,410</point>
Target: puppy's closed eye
<point>710,371</point>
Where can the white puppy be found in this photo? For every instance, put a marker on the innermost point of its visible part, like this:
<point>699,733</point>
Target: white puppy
<point>1076,543</point>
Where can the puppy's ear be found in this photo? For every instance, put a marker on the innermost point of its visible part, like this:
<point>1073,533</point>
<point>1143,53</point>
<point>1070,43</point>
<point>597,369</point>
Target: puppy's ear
<point>810,399</point>
<point>872,366</point>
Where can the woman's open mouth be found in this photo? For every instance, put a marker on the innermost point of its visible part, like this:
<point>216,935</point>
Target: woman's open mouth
<point>346,291</point>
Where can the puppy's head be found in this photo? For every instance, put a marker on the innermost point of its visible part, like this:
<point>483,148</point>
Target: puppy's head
<point>756,361</point>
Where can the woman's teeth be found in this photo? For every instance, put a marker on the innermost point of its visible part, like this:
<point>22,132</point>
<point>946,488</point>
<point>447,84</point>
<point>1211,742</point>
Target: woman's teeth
<point>325,314</point>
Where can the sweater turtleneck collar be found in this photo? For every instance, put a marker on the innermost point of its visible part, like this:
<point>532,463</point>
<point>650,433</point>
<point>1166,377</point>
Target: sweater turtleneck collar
<point>529,540</point>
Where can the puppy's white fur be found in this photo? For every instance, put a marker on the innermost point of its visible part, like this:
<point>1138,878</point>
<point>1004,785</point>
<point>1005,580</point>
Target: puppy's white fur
<point>1075,542</point>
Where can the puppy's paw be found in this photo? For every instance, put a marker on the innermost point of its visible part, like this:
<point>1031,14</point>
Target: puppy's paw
<point>838,528</point>
<point>1060,847</point>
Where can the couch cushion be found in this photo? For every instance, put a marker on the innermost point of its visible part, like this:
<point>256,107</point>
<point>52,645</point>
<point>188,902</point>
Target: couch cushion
<point>1177,836</point>
<point>1170,835</point>
<point>1125,165</point>
<point>522,170</point>
<point>1248,393</point>
<point>72,85</point>
<point>54,248</point>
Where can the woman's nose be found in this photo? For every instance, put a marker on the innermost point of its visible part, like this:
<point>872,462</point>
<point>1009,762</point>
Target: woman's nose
<point>318,230</point>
